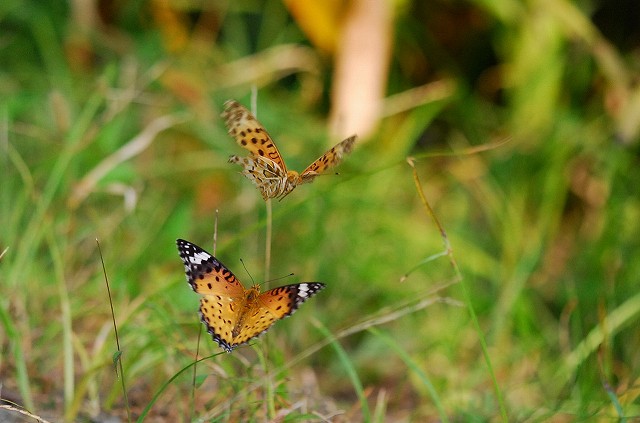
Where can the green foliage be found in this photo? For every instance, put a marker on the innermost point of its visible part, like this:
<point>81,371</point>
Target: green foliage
<point>109,129</point>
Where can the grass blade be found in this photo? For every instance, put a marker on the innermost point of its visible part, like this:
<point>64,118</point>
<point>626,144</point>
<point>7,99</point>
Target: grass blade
<point>348,366</point>
<point>413,366</point>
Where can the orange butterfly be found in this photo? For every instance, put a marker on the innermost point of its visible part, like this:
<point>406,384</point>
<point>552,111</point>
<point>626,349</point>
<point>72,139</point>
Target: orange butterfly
<point>264,165</point>
<point>234,315</point>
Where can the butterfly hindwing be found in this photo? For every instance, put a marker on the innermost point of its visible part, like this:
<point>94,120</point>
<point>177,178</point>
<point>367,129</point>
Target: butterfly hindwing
<point>264,174</point>
<point>218,323</point>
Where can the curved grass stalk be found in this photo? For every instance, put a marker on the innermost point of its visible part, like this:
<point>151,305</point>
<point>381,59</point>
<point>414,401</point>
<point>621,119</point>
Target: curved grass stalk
<point>449,252</point>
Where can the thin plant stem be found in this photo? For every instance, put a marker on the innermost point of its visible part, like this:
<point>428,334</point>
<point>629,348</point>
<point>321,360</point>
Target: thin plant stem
<point>443,234</point>
<point>267,246</point>
<point>118,355</point>
<point>65,312</point>
<point>18,409</point>
<point>195,361</point>
<point>474,317</point>
<point>215,233</point>
<point>267,272</point>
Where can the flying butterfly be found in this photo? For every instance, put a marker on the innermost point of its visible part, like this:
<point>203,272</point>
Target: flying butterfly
<point>232,314</point>
<point>264,166</point>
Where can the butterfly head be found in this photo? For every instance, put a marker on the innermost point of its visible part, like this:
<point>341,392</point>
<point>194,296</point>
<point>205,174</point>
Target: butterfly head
<point>252,293</point>
<point>292,178</point>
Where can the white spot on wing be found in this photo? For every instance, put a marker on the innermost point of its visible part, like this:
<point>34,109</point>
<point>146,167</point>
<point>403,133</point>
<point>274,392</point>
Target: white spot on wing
<point>199,257</point>
<point>303,290</point>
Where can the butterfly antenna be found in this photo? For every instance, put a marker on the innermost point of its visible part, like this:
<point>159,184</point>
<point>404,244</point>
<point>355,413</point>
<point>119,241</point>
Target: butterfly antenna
<point>328,174</point>
<point>280,277</point>
<point>247,270</point>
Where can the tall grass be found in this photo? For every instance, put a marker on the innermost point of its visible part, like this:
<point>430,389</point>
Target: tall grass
<point>114,134</point>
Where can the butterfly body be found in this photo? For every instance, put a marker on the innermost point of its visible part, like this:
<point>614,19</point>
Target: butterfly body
<point>232,314</point>
<point>272,181</point>
<point>264,165</point>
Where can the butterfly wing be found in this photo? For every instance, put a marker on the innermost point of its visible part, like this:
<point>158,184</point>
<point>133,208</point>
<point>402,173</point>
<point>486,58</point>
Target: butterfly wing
<point>263,173</point>
<point>285,300</point>
<point>329,159</point>
<point>224,295</point>
<point>250,134</point>
<point>274,305</point>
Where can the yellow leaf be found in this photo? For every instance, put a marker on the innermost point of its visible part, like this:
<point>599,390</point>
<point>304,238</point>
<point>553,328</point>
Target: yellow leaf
<point>320,20</point>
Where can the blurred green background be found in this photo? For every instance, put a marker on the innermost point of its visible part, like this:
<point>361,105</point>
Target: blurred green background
<point>522,119</point>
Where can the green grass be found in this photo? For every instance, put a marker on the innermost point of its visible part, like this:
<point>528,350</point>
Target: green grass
<point>526,148</point>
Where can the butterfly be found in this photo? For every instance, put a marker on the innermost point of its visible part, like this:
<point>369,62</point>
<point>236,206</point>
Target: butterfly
<point>264,165</point>
<point>232,314</point>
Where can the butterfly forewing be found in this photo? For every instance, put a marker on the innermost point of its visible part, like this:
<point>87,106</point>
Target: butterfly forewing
<point>222,291</point>
<point>284,300</point>
<point>206,274</point>
<point>249,133</point>
<point>329,159</point>
<point>232,314</point>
